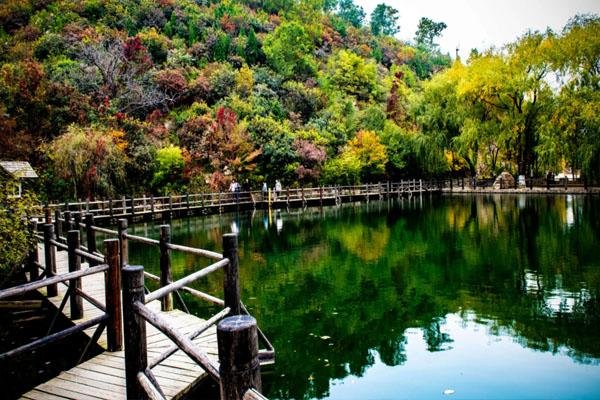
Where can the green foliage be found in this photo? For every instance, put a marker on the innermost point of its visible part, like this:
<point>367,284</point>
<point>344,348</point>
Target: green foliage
<point>91,158</point>
<point>428,31</point>
<point>384,20</point>
<point>362,160</point>
<point>17,237</point>
<point>168,174</point>
<point>253,52</point>
<point>353,75</point>
<point>296,80</point>
<point>351,13</point>
<point>288,50</point>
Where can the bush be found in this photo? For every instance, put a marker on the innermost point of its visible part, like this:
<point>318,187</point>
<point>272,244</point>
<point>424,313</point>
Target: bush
<point>17,239</point>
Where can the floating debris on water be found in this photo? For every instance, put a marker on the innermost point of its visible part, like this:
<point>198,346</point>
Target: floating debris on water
<point>448,392</point>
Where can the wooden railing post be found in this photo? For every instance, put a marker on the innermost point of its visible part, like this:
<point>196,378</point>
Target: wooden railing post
<point>57,224</point>
<point>152,204</point>
<point>50,258</point>
<point>48,215</point>
<point>33,258</point>
<point>136,357</point>
<point>114,326</point>
<point>77,219</point>
<point>231,286</point>
<point>90,235</point>
<point>170,207</point>
<point>76,302</point>
<point>239,366</point>
<point>166,303</point>
<point>123,247</point>
<point>124,201</point>
<point>132,199</point>
<point>110,207</point>
<point>67,224</point>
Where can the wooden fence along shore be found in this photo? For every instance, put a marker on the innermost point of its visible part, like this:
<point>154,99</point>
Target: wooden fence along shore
<point>152,349</point>
<point>150,208</point>
<point>165,208</point>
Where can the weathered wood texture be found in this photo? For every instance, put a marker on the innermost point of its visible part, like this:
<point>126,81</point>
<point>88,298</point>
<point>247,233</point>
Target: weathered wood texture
<point>103,377</point>
<point>136,357</point>
<point>238,356</point>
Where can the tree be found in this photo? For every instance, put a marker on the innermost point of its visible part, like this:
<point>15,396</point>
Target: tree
<point>253,51</point>
<point>351,13</point>
<point>428,31</point>
<point>91,158</point>
<point>384,20</point>
<point>352,74</point>
<point>571,133</point>
<point>168,175</point>
<point>363,159</point>
<point>289,50</point>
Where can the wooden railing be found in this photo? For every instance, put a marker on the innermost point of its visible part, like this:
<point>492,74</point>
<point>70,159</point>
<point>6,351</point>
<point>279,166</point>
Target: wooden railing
<point>187,204</point>
<point>168,289</point>
<point>529,183</point>
<point>111,310</point>
<point>140,380</point>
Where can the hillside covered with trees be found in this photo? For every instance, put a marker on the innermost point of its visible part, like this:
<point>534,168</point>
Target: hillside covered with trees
<point>107,97</point>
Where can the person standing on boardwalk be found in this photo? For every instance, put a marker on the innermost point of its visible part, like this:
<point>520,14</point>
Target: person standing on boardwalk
<point>234,189</point>
<point>277,188</point>
<point>264,191</point>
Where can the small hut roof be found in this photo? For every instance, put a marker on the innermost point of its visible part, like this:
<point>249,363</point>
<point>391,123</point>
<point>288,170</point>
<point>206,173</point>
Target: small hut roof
<point>18,169</point>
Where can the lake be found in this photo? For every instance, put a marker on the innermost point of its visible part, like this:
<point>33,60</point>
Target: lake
<point>463,297</point>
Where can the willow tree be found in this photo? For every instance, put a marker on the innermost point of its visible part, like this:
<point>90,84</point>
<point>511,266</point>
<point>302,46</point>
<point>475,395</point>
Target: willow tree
<point>512,92</point>
<point>572,133</point>
<point>91,158</point>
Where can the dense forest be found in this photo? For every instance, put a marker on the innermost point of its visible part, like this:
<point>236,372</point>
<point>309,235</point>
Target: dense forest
<point>106,97</point>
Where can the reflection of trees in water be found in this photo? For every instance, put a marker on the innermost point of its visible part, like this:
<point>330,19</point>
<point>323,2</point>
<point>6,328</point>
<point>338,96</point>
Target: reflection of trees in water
<point>507,259</point>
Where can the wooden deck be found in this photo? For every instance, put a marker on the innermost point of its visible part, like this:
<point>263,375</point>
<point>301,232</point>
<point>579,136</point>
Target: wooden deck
<point>103,377</point>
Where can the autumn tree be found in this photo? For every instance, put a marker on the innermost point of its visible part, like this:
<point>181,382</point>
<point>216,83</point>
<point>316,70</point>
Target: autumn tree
<point>92,159</point>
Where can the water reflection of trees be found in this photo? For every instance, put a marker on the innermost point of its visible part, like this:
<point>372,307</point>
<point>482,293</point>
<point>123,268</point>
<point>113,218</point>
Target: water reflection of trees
<point>340,283</point>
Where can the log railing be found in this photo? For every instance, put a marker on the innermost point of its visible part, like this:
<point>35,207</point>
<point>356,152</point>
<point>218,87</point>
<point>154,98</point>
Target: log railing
<point>237,335</point>
<point>187,204</point>
<point>109,319</point>
<point>237,332</point>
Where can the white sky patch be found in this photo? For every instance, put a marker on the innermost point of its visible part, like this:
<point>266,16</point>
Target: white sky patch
<point>483,23</point>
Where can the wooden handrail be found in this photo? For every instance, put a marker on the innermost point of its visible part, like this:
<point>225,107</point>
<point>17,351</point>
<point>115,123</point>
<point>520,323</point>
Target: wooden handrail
<point>141,239</point>
<point>151,390</point>
<point>53,337</point>
<point>207,324</point>
<point>198,252</point>
<point>28,287</point>
<point>163,291</point>
<point>183,342</point>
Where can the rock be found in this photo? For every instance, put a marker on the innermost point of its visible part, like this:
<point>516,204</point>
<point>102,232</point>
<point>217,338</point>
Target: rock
<point>504,181</point>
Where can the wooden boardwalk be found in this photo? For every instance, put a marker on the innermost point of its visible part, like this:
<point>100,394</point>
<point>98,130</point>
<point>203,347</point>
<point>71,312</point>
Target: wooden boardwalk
<point>103,377</point>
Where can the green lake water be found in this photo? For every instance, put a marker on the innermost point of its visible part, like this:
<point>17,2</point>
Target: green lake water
<point>427,298</point>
